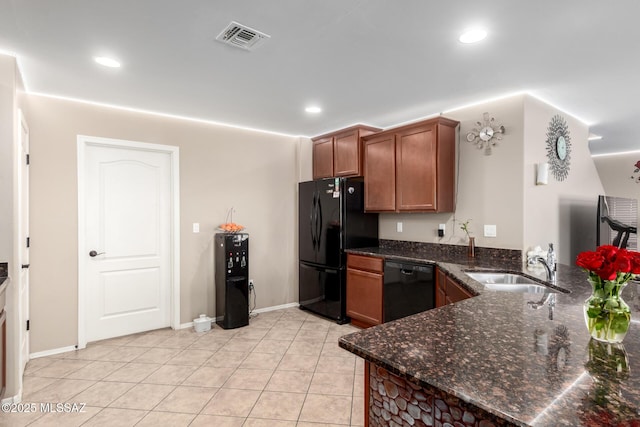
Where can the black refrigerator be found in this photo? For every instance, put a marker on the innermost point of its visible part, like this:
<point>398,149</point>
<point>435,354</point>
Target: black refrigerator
<point>331,219</point>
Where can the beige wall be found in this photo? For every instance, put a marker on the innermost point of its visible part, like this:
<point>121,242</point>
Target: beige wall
<point>489,187</point>
<point>305,160</point>
<point>616,172</point>
<point>562,212</point>
<point>220,167</point>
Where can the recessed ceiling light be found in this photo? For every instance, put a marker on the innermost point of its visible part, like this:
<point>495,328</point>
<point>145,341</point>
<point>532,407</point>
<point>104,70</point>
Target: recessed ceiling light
<point>107,62</point>
<point>313,109</point>
<point>472,36</point>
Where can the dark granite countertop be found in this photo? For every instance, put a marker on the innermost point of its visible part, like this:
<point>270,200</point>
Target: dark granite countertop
<point>527,365</point>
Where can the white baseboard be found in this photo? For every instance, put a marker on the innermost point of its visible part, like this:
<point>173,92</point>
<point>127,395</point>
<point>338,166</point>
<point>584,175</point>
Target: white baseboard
<point>13,399</point>
<point>52,352</point>
<point>276,307</point>
<point>259,310</point>
<point>182,326</point>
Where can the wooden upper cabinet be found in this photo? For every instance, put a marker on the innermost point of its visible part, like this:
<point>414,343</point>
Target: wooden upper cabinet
<point>323,158</point>
<point>416,154</point>
<point>347,159</point>
<point>339,153</point>
<point>418,168</point>
<point>379,173</point>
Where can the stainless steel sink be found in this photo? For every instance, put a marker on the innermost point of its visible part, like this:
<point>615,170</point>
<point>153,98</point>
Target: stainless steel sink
<point>508,282</point>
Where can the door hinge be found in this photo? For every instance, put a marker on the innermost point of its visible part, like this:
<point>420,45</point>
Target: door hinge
<point>28,325</point>
<point>28,159</point>
<point>28,241</point>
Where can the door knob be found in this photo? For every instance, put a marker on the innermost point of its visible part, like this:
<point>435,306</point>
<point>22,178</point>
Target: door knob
<point>94,254</point>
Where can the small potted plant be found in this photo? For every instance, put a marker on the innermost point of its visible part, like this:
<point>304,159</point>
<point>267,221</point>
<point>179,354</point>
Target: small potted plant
<point>472,240</point>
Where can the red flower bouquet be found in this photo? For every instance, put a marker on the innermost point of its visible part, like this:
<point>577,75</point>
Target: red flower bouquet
<point>610,269</point>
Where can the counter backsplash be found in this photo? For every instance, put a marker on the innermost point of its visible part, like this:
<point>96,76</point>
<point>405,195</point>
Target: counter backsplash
<point>452,250</point>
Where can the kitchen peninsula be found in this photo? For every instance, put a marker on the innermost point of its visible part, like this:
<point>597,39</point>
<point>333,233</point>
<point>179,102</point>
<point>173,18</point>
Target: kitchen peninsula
<point>498,358</point>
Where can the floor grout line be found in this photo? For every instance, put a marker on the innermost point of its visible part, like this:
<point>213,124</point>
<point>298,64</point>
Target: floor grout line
<point>303,341</point>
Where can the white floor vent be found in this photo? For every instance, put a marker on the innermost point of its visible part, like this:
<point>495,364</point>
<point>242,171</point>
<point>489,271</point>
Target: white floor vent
<point>241,36</point>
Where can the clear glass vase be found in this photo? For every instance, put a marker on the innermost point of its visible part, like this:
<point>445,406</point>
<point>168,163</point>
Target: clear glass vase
<point>606,314</point>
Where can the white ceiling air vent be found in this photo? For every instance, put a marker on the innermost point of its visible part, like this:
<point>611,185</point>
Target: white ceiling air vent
<point>241,36</point>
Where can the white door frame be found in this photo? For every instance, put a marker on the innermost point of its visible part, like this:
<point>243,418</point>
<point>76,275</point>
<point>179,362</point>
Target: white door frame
<point>15,328</point>
<point>174,153</point>
<point>23,234</point>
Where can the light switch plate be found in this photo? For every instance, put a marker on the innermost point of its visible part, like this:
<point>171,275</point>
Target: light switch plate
<point>399,227</point>
<point>196,227</point>
<point>490,231</point>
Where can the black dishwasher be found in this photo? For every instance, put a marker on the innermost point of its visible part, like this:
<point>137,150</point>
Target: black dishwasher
<point>409,288</point>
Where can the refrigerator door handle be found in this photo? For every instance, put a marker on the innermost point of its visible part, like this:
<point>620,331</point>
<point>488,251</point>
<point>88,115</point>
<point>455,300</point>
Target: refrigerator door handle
<point>311,220</point>
<point>319,222</point>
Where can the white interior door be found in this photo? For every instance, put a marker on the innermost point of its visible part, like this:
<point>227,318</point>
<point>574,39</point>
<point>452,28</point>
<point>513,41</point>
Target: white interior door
<point>23,233</point>
<point>127,240</point>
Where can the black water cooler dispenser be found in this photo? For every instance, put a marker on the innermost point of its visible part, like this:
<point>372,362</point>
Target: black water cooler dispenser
<point>232,279</point>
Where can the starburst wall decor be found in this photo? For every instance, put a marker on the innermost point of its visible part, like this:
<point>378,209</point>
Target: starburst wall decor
<point>559,147</point>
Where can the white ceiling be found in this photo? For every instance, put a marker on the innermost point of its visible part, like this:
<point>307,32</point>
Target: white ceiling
<point>378,62</point>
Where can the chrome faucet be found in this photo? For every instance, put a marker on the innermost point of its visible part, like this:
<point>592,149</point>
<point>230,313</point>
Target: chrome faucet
<point>551,270</point>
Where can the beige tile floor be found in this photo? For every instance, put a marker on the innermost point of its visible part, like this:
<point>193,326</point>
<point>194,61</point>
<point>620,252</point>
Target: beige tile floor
<point>284,369</point>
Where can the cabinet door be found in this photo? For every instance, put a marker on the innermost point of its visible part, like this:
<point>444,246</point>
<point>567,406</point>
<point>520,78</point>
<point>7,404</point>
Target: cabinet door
<point>346,154</point>
<point>364,297</point>
<point>441,284</point>
<point>323,158</point>
<point>380,174</point>
<point>416,155</point>
<point>456,292</point>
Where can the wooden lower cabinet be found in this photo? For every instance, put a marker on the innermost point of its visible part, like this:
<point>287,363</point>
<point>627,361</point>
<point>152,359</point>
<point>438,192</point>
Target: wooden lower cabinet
<point>365,279</point>
<point>448,291</point>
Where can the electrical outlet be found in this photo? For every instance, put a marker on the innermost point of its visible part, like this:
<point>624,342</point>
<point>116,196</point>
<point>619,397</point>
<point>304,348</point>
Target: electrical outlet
<point>196,227</point>
<point>490,230</point>
<point>399,227</point>
<point>251,282</point>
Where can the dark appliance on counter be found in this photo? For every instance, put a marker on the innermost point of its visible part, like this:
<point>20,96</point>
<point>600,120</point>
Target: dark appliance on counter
<point>409,288</point>
<point>232,279</point>
<point>331,219</point>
